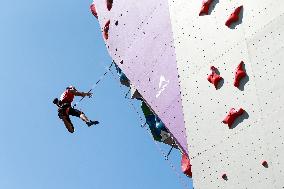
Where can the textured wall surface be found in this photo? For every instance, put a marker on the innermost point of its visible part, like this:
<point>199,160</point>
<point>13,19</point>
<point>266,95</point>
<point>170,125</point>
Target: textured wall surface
<point>167,50</point>
<point>141,36</point>
<point>205,41</point>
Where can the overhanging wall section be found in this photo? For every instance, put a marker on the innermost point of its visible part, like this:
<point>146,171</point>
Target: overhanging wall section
<point>141,43</point>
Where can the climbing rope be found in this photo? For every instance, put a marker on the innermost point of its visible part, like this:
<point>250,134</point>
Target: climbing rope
<point>96,84</point>
<point>162,152</point>
<point>143,125</point>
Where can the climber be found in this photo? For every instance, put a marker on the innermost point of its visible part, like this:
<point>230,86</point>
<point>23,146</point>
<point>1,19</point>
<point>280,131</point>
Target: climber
<point>152,122</point>
<point>65,109</point>
<point>157,127</point>
<point>122,77</point>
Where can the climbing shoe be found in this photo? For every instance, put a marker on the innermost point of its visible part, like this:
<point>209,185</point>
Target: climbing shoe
<point>90,123</point>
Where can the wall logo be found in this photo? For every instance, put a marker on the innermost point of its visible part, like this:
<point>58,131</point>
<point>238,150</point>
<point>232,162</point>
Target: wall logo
<point>162,85</point>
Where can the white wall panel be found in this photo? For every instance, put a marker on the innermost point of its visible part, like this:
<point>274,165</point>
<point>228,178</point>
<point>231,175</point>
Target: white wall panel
<point>243,169</point>
<point>259,14</point>
<point>258,40</point>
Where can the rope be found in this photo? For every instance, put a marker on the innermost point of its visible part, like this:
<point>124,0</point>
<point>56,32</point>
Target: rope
<point>163,152</point>
<point>127,93</point>
<point>170,151</point>
<point>182,181</point>
<point>94,85</point>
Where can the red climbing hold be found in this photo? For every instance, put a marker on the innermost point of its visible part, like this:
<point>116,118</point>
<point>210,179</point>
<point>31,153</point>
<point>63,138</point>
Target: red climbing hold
<point>265,164</point>
<point>109,4</point>
<point>214,78</point>
<point>232,116</point>
<point>106,28</point>
<point>234,17</point>
<point>205,7</point>
<point>93,10</point>
<point>186,166</point>
<point>224,176</point>
<point>239,74</point>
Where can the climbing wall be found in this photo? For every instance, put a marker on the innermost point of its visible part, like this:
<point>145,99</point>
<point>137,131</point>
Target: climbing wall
<point>141,43</point>
<point>249,153</point>
<point>211,70</point>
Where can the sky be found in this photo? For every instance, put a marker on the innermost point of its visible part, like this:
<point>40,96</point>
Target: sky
<point>44,47</point>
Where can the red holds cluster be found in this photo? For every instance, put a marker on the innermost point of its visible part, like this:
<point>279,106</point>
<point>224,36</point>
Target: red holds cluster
<point>93,10</point>
<point>186,166</point>
<point>234,17</point>
<point>109,4</point>
<point>205,7</point>
<point>106,28</point>
<point>232,116</point>
<point>239,74</point>
<point>214,78</point>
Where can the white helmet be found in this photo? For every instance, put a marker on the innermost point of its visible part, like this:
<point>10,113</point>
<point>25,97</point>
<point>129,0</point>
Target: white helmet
<point>71,87</point>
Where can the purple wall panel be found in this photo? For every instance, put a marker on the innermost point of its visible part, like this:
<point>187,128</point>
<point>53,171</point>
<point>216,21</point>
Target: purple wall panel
<point>164,68</point>
<point>131,17</point>
<point>146,56</point>
<point>151,44</point>
<point>175,119</point>
<point>143,40</point>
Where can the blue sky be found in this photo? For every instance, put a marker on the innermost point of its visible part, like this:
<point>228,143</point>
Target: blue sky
<point>45,46</point>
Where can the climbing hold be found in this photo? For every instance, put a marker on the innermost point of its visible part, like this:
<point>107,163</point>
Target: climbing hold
<point>265,164</point>
<point>232,116</point>
<point>186,166</point>
<point>224,176</point>
<point>205,7</point>
<point>239,74</point>
<point>106,28</point>
<point>109,4</point>
<point>234,17</point>
<point>93,10</point>
<point>214,78</point>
